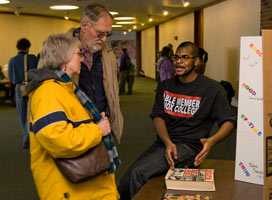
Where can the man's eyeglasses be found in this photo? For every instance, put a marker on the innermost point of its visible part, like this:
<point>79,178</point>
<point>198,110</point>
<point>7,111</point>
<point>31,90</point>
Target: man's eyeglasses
<point>183,58</point>
<point>100,34</point>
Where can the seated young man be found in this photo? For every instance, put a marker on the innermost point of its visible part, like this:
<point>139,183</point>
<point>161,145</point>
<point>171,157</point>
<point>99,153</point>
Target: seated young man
<point>184,113</point>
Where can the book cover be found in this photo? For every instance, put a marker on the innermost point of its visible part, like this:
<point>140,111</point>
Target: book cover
<point>177,174</point>
<point>172,196</point>
<point>190,179</point>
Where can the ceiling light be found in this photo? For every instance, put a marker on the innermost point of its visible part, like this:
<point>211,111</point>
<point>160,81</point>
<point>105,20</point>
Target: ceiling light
<point>129,30</point>
<point>134,27</point>
<point>65,17</point>
<point>113,13</point>
<point>116,26</point>
<point>150,19</point>
<point>165,12</point>
<point>185,3</point>
<point>124,18</point>
<point>124,33</point>
<point>125,22</point>
<point>4,1</point>
<point>63,7</point>
<point>142,24</point>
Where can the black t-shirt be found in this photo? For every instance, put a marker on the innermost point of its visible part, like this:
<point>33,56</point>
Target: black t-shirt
<point>190,109</point>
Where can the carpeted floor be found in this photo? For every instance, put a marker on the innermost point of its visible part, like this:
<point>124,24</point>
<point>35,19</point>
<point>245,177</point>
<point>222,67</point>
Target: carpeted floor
<point>15,176</point>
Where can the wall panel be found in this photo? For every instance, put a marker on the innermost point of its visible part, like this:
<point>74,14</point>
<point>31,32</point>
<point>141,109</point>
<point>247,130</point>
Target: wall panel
<point>224,24</point>
<point>148,52</point>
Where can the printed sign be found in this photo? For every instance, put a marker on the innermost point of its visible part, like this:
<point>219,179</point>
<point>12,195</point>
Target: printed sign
<point>249,150</point>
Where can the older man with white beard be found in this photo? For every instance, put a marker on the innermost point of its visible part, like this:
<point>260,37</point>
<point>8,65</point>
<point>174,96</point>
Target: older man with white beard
<point>98,75</point>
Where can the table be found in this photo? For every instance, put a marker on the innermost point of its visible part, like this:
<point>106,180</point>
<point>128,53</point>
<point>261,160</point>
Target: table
<point>226,187</point>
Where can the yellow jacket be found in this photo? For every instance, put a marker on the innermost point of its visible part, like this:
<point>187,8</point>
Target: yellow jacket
<point>62,128</point>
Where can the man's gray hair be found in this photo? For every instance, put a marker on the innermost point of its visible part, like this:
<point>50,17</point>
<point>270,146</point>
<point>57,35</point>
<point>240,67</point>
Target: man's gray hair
<point>57,50</point>
<point>94,12</point>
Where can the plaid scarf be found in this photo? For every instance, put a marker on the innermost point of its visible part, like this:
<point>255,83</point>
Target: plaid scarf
<point>91,107</point>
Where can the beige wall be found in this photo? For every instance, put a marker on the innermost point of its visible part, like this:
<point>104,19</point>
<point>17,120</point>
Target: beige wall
<point>182,27</point>
<point>224,24</point>
<point>167,32</point>
<point>148,52</point>
<point>36,29</point>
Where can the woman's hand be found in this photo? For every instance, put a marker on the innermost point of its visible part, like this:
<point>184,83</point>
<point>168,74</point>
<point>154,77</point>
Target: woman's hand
<point>104,125</point>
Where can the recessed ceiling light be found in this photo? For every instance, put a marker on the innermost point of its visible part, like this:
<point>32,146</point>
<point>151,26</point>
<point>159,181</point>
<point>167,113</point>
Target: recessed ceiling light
<point>124,18</point>
<point>116,26</point>
<point>142,24</point>
<point>4,1</point>
<point>125,22</point>
<point>124,33</point>
<point>66,17</point>
<point>114,13</point>
<point>185,3</point>
<point>165,12</point>
<point>63,7</point>
<point>134,27</point>
<point>150,19</point>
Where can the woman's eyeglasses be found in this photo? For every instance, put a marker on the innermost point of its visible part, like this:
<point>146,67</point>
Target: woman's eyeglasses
<point>80,54</point>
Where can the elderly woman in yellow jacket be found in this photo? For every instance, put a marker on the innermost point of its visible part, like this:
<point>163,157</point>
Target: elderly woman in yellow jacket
<point>60,126</point>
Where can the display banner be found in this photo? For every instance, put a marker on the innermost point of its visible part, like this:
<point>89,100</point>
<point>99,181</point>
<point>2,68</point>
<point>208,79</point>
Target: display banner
<point>249,165</point>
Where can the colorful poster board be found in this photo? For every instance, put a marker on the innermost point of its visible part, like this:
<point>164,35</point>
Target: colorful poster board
<point>250,136</point>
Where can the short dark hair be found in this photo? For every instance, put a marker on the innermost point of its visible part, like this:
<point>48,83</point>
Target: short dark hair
<point>170,45</point>
<point>94,11</point>
<point>165,51</point>
<point>124,50</point>
<point>23,44</point>
<point>193,45</point>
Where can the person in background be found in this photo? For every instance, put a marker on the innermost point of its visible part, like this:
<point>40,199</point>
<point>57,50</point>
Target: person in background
<point>16,72</point>
<point>165,64</point>
<point>171,46</point>
<point>201,64</point>
<point>185,109</point>
<point>61,126</point>
<point>125,65</point>
<point>230,92</point>
<point>131,78</point>
<point>98,74</point>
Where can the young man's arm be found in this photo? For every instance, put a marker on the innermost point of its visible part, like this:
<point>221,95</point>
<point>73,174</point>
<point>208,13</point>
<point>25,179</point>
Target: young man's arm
<point>171,150</point>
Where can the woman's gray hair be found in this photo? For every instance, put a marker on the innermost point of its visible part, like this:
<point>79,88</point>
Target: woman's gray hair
<point>57,50</point>
<point>94,12</point>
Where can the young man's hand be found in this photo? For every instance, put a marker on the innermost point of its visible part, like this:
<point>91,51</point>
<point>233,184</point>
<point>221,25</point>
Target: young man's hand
<point>170,154</point>
<point>207,146</point>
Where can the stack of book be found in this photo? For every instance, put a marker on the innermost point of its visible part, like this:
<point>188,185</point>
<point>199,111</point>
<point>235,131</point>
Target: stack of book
<point>190,179</point>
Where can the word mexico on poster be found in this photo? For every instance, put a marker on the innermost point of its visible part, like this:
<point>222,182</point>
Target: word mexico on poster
<point>249,148</point>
